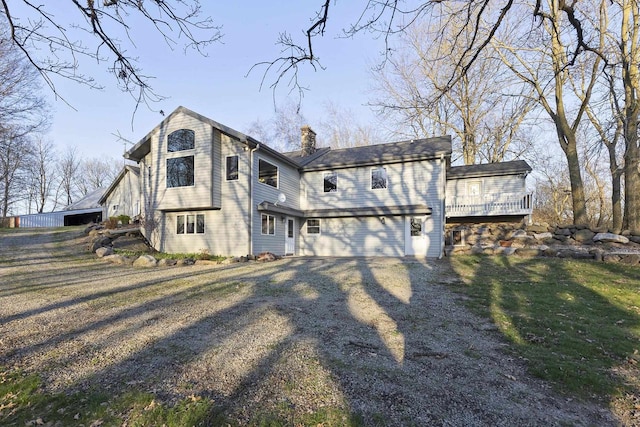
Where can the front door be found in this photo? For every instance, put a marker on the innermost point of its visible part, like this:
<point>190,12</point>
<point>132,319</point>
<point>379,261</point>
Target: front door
<point>416,236</point>
<point>290,241</point>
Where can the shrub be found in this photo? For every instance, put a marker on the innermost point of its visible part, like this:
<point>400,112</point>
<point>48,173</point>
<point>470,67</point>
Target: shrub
<point>111,223</point>
<point>124,219</point>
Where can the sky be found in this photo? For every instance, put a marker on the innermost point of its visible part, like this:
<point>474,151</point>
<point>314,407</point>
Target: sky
<point>217,85</point>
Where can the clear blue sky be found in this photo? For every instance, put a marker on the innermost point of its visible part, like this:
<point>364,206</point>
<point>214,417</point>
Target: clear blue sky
<point>216,86</point>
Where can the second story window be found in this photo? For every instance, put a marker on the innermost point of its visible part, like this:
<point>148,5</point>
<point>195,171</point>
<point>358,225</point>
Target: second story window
<point>180,172</point>
<point>232,168</point>
<point>378,178</point>
<point>180,140</point>
<point>267,173</point>
<point>330,182</point>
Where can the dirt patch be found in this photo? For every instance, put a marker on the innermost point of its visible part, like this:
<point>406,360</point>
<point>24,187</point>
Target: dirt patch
<point>385,339</point>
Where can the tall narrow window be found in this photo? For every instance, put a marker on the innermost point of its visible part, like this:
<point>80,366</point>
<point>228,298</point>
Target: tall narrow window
<point>267,173</point>
<point>378,178</point>
<point>330,182</point>
<point>268,224</point>
<point>232,168</point>
<point>191,219</point>
<point>180,140</point>
<point>199,223</point>
<point>180,172</point>
<point>313,226</point>
<point>180,224</point>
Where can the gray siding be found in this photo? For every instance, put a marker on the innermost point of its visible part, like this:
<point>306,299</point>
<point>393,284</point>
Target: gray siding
<point>227,229</point>
<point>411,183</point>
<point>490,185</point>
<point>125,198</point>
<point>206,177</point>
<point>289,185</point>
<point>366,236</point>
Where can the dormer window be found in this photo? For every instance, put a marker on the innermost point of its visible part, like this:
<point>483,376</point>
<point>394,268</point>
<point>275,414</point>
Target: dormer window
<point>180,140</point>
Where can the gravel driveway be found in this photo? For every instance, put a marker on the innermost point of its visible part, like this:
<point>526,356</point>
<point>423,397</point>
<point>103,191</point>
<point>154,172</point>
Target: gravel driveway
<point>386,339</point>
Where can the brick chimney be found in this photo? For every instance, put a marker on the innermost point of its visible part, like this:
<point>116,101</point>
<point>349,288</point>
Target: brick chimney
<point>308,139</point>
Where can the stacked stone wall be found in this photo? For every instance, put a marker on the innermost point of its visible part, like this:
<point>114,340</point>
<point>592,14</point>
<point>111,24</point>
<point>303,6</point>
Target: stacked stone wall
<point>564,241</point>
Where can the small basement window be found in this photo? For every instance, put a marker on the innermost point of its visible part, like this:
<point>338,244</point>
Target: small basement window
<point>313,226</point>
<point>267,173</point>
<point>457,237</point>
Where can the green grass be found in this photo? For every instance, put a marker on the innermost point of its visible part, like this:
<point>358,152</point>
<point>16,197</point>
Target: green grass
<point>23,402</point>
<point>574,322</point>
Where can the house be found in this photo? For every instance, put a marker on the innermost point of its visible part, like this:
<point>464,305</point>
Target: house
<point>205,186</point>
<point>122,197</point>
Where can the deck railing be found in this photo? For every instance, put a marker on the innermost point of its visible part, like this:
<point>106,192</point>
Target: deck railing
<point>489,205</point>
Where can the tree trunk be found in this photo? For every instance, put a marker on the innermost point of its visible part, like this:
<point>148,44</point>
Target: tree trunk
<point>575,177</point>
<point>632,178</point>
<point>616,190</point>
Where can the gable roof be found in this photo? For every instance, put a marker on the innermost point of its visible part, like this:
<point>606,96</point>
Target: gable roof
<point>90,201</point>
<point>514,167</point>
<point>371,155</point>
<point>133,169</point>
<point>143,147</point>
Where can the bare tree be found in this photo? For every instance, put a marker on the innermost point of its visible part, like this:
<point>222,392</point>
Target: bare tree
<point>102,31</point>
<point>629,64</point>
<point>97,173</point>
<point>68,170</point>
<point>484,110</point>
<point>340,128</point>
<point>282,130</point>
<point>42,175</point>
<point>15,150</point>
<point>541,59</point>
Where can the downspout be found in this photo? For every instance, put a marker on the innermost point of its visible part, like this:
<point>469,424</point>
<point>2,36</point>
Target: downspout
<point>251,198</point>
<point>443,185</point>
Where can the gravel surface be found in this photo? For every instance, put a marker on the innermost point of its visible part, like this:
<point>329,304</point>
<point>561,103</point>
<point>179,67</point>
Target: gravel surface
<point>386,339</point>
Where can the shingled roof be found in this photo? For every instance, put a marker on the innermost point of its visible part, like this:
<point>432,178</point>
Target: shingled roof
<point>396,152</point>
<point>514,167</point>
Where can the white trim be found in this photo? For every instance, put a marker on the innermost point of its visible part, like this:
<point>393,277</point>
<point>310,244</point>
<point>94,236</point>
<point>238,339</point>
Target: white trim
<point>333,172</point>
<point>274,225</point>
<point>277,174</point>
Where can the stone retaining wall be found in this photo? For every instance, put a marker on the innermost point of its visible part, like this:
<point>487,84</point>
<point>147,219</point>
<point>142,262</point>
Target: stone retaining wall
<point>564,241</point>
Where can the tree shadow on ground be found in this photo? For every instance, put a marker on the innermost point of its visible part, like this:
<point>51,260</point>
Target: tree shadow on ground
<point>576,323</point>
<point>377,341</point>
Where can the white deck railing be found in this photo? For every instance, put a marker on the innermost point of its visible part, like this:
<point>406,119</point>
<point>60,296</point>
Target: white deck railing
<point>489,205</point>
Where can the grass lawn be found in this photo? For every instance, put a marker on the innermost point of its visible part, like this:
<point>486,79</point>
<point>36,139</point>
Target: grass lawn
<point>575,323</point>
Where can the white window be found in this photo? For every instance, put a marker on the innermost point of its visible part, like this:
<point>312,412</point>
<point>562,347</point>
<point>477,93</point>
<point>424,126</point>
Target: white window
<point>268,224</point>
<point>378,178</point>
<point>180,172</point>
<point>194,224</point>
<point>330,182</point>
<point>267,173</point>
<point>313,226</point>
